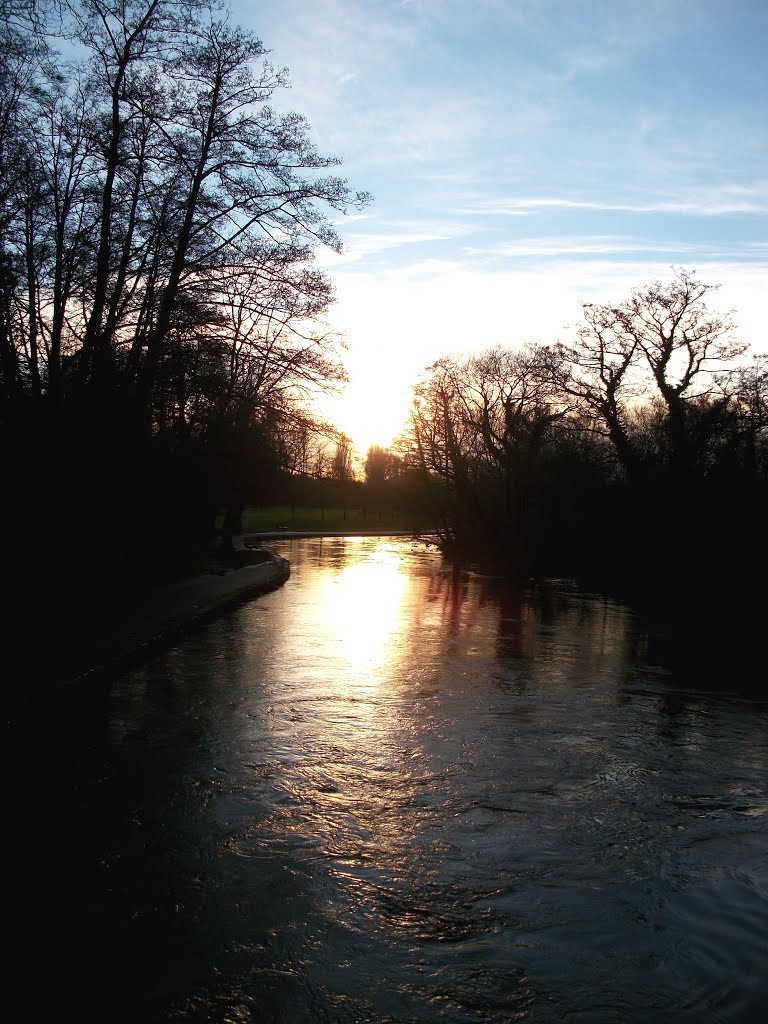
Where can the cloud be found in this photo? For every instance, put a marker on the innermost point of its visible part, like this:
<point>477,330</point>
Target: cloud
<point>580,245</point>
<point>399,322</point>
<point>390,235</point>
<point>729,199</point>
<point>361,246</point>
<point>623,246</point>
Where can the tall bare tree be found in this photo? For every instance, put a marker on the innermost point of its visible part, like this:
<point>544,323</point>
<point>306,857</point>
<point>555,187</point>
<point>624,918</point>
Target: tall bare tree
<point>159,219</point>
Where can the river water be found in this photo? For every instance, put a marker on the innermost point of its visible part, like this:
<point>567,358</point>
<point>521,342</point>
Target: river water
<point>392,791</point>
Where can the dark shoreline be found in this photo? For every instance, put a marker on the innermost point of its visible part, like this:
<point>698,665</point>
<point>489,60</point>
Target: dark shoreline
<point>122,634</point>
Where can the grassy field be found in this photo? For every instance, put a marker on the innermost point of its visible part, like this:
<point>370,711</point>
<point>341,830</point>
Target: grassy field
<point>297,517</point>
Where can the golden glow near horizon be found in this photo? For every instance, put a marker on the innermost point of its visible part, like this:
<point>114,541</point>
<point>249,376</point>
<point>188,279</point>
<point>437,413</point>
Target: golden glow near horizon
<point>368,414</point>
<point>396,328</point>
<point>374,406</point>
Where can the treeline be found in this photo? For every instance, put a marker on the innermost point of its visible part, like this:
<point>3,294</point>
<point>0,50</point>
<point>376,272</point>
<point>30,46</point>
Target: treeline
<point>381,489</point>
<point>636,454</point>
<point>161,321</point>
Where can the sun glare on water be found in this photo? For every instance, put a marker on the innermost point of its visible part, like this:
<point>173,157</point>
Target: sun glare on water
<point>363,608</point>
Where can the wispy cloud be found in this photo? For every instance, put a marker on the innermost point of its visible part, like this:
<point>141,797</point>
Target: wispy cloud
<point>392,235</point>
<point>361,246</point>
<point>729,200</point>
<point>622,246</point>
<point>578,245</point>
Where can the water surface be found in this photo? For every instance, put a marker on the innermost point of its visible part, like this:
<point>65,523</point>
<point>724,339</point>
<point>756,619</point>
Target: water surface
<point>392,791</point>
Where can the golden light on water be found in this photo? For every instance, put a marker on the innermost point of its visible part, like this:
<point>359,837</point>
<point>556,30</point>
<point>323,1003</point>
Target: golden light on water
<point>362,608</point>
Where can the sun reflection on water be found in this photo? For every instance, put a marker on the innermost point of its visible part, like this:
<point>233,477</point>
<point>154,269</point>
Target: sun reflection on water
<point>363,611</point>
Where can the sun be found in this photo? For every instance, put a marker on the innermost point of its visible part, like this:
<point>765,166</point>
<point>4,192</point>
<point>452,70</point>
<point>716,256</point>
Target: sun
<point>373,409</point>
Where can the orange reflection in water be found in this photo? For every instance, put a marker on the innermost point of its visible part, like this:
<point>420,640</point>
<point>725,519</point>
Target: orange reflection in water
<point>363,610</point>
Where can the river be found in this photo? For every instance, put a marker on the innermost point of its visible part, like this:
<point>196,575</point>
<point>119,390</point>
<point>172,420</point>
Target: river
<point>392,791</point>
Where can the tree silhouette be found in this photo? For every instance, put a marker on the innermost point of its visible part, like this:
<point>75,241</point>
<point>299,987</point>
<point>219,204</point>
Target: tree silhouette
<point>160,315</point>
<point>662,340</point>
<point>624,453</point>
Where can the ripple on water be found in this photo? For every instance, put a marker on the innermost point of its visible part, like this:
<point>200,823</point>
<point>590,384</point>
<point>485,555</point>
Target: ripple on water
<point>507,818</point>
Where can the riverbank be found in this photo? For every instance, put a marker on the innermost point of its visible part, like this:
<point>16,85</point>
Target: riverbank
<point>165,613</point>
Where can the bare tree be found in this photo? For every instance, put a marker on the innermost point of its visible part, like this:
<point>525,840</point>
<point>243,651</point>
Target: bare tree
<point>159,219</point>
<point>478,431</point>
<point>663,340</point>
<point>155,172</point>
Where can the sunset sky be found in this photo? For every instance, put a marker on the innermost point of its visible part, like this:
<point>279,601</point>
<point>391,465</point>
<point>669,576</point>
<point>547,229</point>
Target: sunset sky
<point>525,156</point>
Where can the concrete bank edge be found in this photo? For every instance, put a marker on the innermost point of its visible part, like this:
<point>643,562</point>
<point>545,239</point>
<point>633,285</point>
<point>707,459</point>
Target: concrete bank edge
<point>178,609</point>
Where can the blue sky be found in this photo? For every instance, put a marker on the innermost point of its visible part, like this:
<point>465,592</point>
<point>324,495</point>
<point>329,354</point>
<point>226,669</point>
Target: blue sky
<point>525,157</point>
